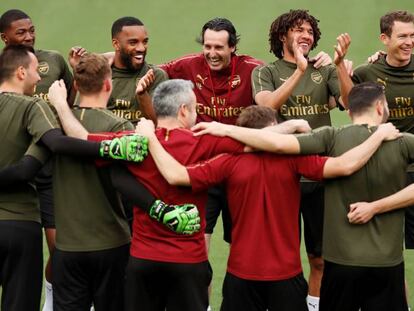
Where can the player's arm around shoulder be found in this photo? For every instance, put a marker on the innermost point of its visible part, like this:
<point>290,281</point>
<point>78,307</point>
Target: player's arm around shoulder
<point>355,158</point>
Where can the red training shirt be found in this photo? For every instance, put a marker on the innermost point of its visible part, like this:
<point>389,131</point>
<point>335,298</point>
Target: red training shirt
<point>150,239</point>
<point>263,192</point>
<point>221,95</point>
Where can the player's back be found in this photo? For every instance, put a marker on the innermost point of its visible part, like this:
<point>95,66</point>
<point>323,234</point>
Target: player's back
<point>379,242</point>
<point>263,193</point>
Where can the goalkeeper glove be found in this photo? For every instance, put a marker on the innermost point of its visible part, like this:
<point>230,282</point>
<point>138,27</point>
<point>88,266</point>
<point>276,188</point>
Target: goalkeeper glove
<point>182,218</point>
<point>128,147</point>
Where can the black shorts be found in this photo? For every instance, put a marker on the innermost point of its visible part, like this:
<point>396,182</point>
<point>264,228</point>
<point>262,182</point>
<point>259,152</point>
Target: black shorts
<point>283,295</point>
<point>312,209</point>
<point>83,278</point>
<point>350,288</point>
<point>157,286</point>
<point>216,203</point>
<point>21,264</point>
<point>44,186</point>
<point>409,219</point>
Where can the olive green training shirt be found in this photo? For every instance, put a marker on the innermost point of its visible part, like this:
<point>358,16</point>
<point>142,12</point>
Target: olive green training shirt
<point>88,213</point>
<point>310,98</point>
<point>378,243</point>
<point>23,121</point>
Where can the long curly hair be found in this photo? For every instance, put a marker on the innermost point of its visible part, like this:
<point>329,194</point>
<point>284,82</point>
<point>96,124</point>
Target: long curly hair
<point>284,22</point>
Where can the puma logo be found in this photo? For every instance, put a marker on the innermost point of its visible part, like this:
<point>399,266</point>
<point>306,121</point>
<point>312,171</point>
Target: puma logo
<point>312,305</point>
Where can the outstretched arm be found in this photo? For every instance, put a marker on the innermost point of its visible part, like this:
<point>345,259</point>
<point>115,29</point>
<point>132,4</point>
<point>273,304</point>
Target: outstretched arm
<point>352,160</point>
<point>258,139</point>
<point>362,212</point>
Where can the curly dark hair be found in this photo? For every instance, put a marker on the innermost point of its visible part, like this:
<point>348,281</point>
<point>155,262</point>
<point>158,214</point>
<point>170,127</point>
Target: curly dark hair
<point>284,22</point>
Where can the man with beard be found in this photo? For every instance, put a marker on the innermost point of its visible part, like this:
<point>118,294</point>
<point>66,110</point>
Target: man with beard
<point>16,28</point>
<point>130,40</point>
<point>298,90</point>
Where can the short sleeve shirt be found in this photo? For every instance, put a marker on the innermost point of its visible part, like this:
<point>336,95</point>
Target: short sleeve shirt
<point>152,240</point>
<point>310,98</point>
<point>399,89</point>
<point>377,243</point>
<point>123,102</point>
<point>263,193</point>
<point>23,121</point>
<point>52,67</point>
<point>221,95</point>
<point>88,213</point>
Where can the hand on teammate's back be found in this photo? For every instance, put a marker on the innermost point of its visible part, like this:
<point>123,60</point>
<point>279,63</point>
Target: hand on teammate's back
<point>182,218</point>
<point>132,148</point>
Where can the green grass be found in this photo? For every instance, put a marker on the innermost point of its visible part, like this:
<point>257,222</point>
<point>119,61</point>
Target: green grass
<point>174,25</point>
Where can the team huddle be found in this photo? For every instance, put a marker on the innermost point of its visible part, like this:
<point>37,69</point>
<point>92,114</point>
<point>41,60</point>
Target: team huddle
<point>127,167</point>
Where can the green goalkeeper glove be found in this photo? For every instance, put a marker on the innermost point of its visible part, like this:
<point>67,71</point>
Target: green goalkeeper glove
<point>128,147</point>
<point>179,218</point>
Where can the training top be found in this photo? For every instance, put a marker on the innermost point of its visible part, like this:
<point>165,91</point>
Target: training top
<point>123,101</point>
<point>377,243</point>
<point>263,193</point>
<point>309,99</point>
<point>23,121</point>
<point>88,212</point>
<point>399,89</point>
<point>52,67</point>
<point>221,95</point>
<point>151,240</point>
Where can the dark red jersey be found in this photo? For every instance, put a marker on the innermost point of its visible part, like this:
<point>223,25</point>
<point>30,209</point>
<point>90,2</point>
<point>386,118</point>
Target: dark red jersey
<point>152,240</point>
<point>263,192</point>
<point>221,95</point>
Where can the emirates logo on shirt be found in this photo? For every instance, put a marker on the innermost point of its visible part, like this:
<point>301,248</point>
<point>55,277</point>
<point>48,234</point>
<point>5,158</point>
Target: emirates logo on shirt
<point>43,68</point>
<point>316,77</point>
<point>235,81</point>
<point>200,81</point>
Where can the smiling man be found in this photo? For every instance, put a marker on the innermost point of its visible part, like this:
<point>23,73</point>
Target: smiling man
<point>130,41</point>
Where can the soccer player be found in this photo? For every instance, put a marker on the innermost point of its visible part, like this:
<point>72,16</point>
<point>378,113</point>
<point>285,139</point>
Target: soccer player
<point>266,275</point>
<point>130,41</point>
<point>296,89</point>
<point>166,270</point>
<point>27,120</point>
<point>395,71</point>
<point>364,265</point>
<point>16,27</point>
<point>92,242</point>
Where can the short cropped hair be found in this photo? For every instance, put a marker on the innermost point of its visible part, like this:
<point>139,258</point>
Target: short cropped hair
<point>256,117</point>
<point>9,17</point>
<point>170,95</point>
<point>122,22</point>
<point>13,57</point>
<point>362,97</point>
<point>218,24</point>
<point>284,22</point>
<point>387,21</point>
<point>91,73</point>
